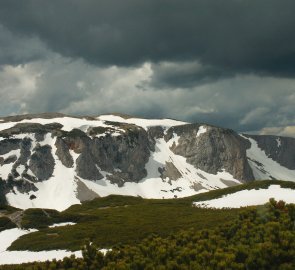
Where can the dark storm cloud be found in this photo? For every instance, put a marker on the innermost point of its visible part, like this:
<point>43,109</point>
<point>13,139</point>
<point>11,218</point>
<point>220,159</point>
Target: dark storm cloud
<point>16,49</point>
<point>239,36</point>
<point>185,74</point>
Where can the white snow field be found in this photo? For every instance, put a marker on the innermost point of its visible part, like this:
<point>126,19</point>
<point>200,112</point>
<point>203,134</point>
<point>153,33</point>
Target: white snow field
<point>250,197</point>
<point>7,237</point>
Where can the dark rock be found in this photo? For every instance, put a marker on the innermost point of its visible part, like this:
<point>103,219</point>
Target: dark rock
<point>280,149</point>
<point>25,152</point>
<point>86,167</point>
<point>32,197</point>
<point>156,132</point>
<point>14,173</point>
<point>170,171</point>
<point>76,140</point>
<point>29,177</point>
<point>127,153</point>
<point>117,179</point>
<point>22,186</point>
<point>10,159</point>
<point>40,137</point>
<point>197,187</point>
<point>7,145</point>
<point>42,162</point>
<point>214,150</point>
<point>63,153</point>
<point>84,193</point>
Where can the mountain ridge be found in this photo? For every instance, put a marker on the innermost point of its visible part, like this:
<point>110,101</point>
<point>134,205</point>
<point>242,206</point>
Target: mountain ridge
<point>69,159</point>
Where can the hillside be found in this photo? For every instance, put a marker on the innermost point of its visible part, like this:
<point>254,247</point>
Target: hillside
<point>127,219</point>
<point>260,238</point>
<point>55,161</point>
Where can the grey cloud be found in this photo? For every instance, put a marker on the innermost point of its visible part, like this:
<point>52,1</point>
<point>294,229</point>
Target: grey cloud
<point>185,74</point>
<point>17,49</point>
<point>75,87</point>
<point>239,36</point>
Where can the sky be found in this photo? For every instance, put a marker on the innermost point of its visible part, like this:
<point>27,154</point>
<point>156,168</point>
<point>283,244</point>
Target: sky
<point>229,63</point>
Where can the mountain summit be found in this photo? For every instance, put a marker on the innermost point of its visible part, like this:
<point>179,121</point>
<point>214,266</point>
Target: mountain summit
<point>55,160</point>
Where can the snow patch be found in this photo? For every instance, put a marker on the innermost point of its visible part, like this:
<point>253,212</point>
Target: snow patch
<point>62,224</point>
<point>279,142</point>
<point>174,140</point>
<point>7,168</point>
<point>202,129</point>
<point>250,197</point>
<point>144,123</point>
<point>7,237</point>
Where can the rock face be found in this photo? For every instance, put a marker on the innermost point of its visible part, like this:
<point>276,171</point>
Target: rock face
<point>170,172</point>
<point>117,152</point>
<point>214,150</point>
<point>280,149</point>
<point>7,145</point>
<point>125,155</point>
<point>63,153</point>
<point>42,162</point>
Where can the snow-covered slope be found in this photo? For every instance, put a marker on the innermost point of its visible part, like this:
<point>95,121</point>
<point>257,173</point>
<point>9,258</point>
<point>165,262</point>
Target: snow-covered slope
<point>7,237</point>
<point>264,167</point>
<point>54,161</point>
<point>250,197</point>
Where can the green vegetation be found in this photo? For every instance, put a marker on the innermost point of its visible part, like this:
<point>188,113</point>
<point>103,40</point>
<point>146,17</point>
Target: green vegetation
<point>6,223</point>
<point>41,218</point>
<point>258,238</point>
<point>7,209</point>
<point>125,219</point>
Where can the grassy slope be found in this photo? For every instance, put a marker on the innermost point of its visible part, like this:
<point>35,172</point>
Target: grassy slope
<point>122,219</point>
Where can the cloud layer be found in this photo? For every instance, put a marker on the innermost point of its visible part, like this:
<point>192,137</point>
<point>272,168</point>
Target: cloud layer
<point>228,62</point>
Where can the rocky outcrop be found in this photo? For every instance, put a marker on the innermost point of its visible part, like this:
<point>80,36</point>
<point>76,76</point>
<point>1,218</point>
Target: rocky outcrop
<point>63,153</point>
<point>10,159</point>
<point>125,155</point>
<point>86,167</point>
<point>280,149</point>
<point>25,152</point>
<point>26,128</point>
<point>170,172</point>
<point>213,150</point>
<point>42,162</point>
<point>7,145</point>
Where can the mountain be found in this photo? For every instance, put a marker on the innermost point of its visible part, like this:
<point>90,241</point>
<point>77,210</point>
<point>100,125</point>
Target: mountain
<point>55,160</point>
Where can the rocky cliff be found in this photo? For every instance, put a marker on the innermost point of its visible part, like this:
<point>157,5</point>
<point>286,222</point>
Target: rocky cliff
<point>54,160</point>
